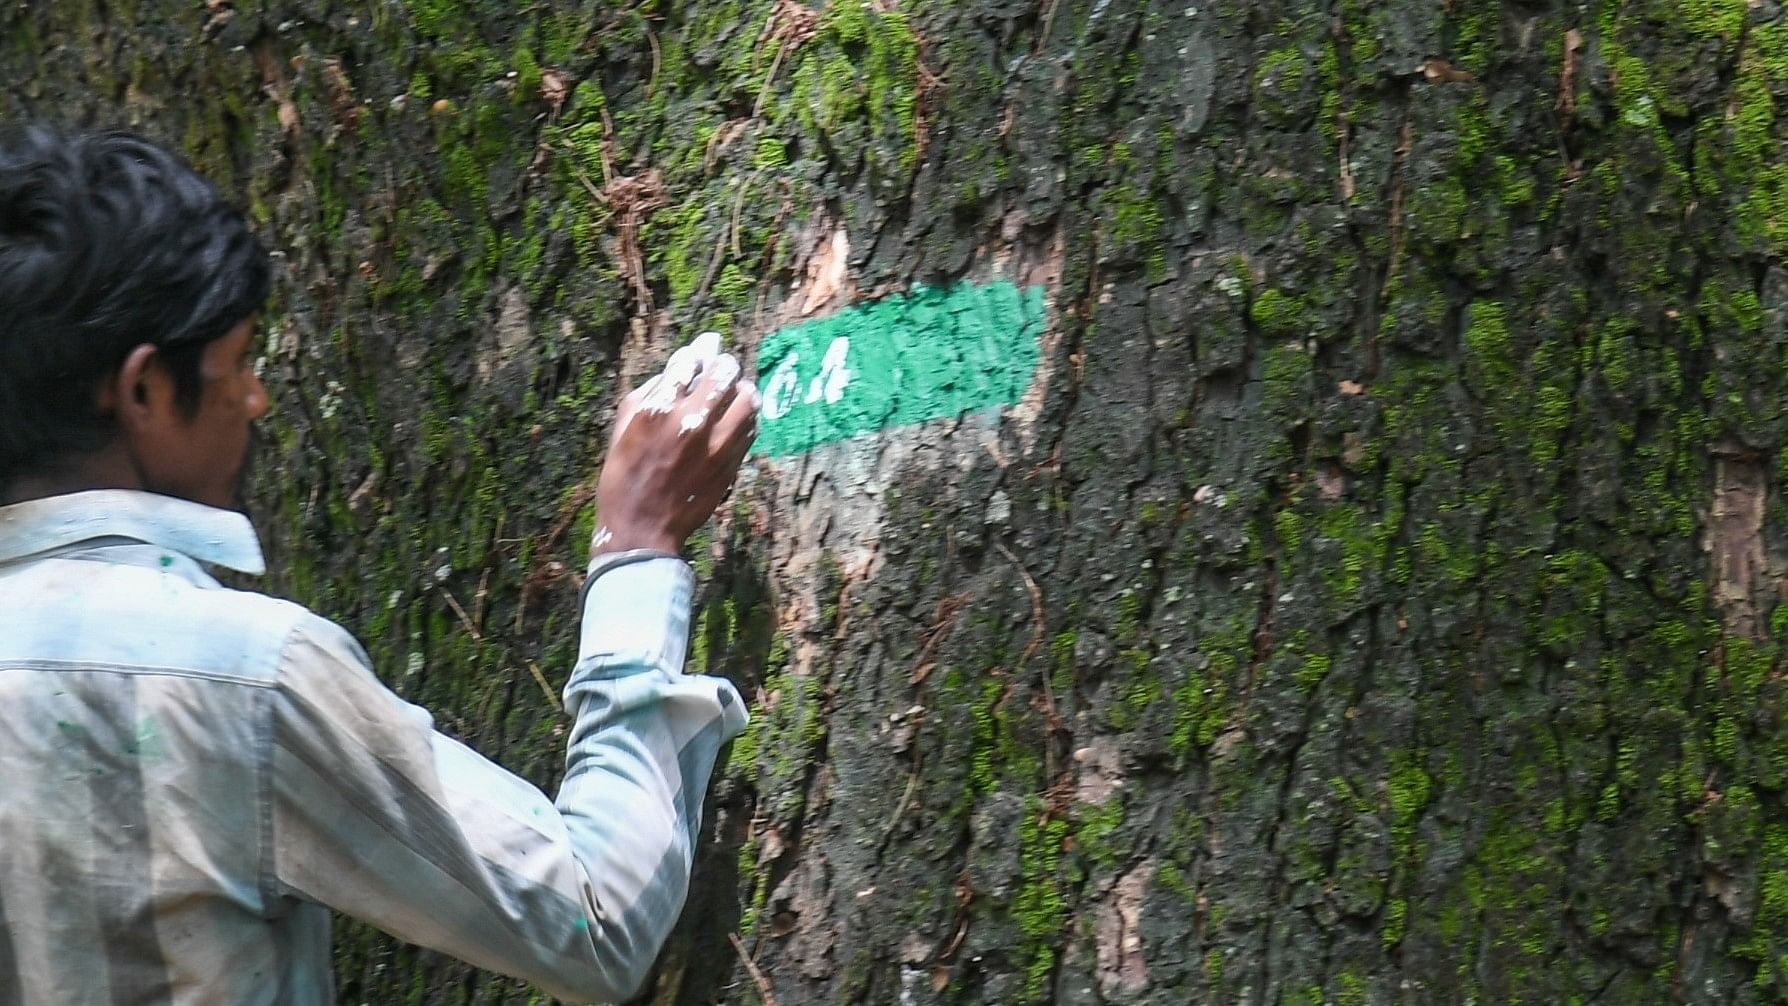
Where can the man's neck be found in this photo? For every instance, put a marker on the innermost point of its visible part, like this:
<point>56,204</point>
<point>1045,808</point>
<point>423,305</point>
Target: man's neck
<point>104,470</point>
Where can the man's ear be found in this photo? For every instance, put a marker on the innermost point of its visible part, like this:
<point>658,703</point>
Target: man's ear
<point>141,394</point>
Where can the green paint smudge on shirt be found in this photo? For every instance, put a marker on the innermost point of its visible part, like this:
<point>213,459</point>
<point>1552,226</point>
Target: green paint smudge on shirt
<point>146,744</point>
<point>934,353</point>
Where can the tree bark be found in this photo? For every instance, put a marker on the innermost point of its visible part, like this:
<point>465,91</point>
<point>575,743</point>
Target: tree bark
<point>1374,598</point>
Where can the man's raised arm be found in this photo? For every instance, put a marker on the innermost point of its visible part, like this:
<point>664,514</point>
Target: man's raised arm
<point>381,817</point>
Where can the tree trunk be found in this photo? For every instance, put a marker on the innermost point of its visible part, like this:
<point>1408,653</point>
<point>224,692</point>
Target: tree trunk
<point>1355,578</point>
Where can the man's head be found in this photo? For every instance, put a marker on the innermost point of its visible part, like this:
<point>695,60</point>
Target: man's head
<point>127,295</point>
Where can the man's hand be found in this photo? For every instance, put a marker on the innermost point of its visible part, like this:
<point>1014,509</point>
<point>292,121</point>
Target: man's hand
<point>678,442</point>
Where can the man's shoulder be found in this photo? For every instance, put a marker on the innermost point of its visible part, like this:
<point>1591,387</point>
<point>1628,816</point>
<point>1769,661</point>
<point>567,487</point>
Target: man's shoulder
<point>131,618</point>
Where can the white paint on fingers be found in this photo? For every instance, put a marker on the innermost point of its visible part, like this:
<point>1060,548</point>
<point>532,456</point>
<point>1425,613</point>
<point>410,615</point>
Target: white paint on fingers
<point>662,395</point>
<point>687,364</point>
<point>722,375</point>
<point>683,368</point>
<point>707,345</point>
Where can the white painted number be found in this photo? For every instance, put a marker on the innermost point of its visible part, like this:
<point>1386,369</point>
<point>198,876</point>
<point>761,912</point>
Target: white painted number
<point>779,391</point>
<point>782,392</point>
<point>833,376</point>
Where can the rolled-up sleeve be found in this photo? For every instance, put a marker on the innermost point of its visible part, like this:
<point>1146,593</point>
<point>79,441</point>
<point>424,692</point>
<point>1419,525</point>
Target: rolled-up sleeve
<point>378,815</point>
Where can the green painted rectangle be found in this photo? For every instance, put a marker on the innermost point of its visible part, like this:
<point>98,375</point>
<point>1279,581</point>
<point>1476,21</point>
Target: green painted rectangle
<point>934,353</point>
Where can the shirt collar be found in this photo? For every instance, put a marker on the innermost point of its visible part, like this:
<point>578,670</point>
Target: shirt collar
<point>220,537</point>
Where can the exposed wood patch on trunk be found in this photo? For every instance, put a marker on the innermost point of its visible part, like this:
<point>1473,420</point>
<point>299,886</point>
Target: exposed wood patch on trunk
<point>828,275</point>
<point>513,334</point>
<point>826,285</point>
<point>1101,771</point>
<point>1123,961</point>
<point>1734,540</point>
<point>1034,267</point>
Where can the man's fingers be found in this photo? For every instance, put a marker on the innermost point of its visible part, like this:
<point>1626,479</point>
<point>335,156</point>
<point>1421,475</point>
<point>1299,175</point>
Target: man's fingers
<point>722,376</point>
<point>630,405</point>
<point>703,408</point>
<point>631,401</point>
<point>709,398</point>
<point>718,388</point>
<point>657,396</point>
<point>740,433</point>
<point>682,368</point>
<point>735,430</point>
<point>665,391</point>
<point>688,363</point>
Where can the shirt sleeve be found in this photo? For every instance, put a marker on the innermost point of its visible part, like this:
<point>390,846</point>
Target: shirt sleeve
<point>381,817</point>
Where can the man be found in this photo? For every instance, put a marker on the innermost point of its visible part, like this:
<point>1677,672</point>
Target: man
<point>191,777</point>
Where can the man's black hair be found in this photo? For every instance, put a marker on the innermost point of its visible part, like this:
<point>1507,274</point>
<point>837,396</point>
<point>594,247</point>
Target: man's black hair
<point>107,242</point>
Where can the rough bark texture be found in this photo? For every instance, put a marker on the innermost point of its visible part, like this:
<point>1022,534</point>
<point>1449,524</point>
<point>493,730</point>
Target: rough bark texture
<point>1377,598</point>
